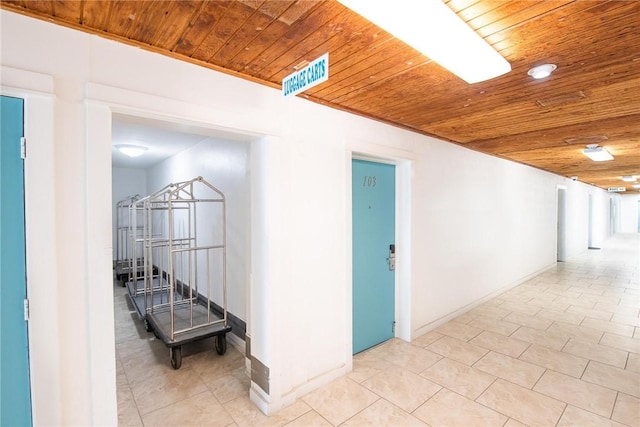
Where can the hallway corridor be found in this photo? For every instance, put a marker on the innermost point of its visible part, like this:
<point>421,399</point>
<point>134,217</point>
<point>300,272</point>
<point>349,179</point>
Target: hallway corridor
<point>562,349</point>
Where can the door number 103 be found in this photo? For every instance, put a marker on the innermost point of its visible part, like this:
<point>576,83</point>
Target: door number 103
<point>369,181</point>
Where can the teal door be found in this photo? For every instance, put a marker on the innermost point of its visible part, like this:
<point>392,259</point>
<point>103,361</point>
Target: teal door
<point>373,253</point>
<point>15,395</point>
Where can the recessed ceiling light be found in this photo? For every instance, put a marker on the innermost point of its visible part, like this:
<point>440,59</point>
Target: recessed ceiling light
<point>597,154</point>
<point>629,178</point>
<point>636,185</point>
<point>542,71</point>
<point>131,150</point>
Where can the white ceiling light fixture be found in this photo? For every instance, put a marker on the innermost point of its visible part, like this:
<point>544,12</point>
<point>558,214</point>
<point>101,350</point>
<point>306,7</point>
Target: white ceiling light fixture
<point>597,154</point>
<point>636,185</point>
<point>131,150</point>
<point>435,30</point>
<point>542,71</point>
<point>629,178</point>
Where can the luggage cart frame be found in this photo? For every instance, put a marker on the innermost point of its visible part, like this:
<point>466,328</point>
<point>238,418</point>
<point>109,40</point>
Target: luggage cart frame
<point>188,314</point>
<point>125,230</point>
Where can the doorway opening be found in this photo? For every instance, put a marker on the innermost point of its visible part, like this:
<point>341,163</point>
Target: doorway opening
<point>175,153</point>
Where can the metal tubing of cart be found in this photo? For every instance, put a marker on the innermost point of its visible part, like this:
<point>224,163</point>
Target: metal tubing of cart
<point>181,313</point>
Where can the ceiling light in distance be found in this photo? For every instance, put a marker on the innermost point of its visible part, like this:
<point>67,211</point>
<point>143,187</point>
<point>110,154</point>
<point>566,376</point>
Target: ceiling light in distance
<point>636,185</point>
<point>131,150</point>
<point>597,154</point>
<point>542,71</point>
<point>629,178</point>
<point>435,30</point>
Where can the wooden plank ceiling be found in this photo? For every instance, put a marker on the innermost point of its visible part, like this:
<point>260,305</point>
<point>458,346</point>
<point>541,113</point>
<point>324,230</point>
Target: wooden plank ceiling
<point>594,95</point>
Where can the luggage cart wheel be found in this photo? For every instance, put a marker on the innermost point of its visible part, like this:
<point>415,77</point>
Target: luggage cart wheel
<point>220,342</point>
<point>147,326</point>
<point>176,357</point>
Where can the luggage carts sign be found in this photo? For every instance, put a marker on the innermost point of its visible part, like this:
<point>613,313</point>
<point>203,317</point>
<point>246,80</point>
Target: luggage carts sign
<point>312,75</point>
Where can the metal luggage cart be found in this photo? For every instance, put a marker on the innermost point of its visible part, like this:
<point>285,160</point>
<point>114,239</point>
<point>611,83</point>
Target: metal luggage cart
<point>194,253</point>
<point>146,214</point>
<point>125,234</point>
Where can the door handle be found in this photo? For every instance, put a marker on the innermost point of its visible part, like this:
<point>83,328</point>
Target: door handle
<point>392,257</point>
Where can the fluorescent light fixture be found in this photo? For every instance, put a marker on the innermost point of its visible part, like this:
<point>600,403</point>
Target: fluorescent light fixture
<point>435,30</point>
<point>629,178</point>
<point>131,150</point>
<point>542,71</point>
<point>597,154</point>
<point>636,185</point>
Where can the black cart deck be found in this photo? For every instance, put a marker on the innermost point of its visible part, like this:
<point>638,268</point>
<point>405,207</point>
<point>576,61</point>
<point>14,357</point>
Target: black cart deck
<point>160,323</point>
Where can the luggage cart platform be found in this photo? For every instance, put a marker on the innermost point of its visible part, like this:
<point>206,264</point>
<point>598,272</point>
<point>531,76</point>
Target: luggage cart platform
<point>160,323</point>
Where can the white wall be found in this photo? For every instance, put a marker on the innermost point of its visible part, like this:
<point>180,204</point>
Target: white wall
<point>125,182</point>
<point>471,225</point>
<point>629,215</point>
<point>224,164</point>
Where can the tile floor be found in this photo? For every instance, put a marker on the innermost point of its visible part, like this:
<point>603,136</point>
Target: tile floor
<point>562,349</point>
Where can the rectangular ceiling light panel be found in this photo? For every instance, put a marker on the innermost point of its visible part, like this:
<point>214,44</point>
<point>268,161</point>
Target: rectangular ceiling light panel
<point>433,29</point>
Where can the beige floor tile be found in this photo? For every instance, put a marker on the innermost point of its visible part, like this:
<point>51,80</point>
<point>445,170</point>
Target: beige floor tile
<point>310,419</point>
<point>407,356</point>
<point>555,360</point>
<point>497,342</point>
<point>143,368</point>
<point>458,330</point>
<point>578,332</point>
<point>589,290</point>
<point>615,308</point>
<point>127,410</point>
<point>526,406</point>
<point>466,317</point>
<point>162,390</point>
<point>426,339</point>
<point>510,369</point>
<point>494,325</point>
<point>514,423</point>
<point>200,410</point>
<point>401,387</point>
<point>246,414</point>
<point>366,365</point>
<point>545,304</point>
<point>588,312</point>
<point>633,363</point>
<point>605,326</point>
<point>519,308</point>
<point>553,340</point>
<point>621,343</point>
<point>231,386</point>
<point>458,377</point>
<point>597,352</point>
<point>626,319</point>
<point>459,350</point>
<point>576,417</point>
<point>601,299</point>
<point>490,310</point>
<point>383,413</point>
<point>450,409</point>
<point>528,320</point>
<point>614,378</point>
<point>340,400</point>
<point>211,366</point>
<point>627,410</point>
<point>574,391</point>
<point>560,316</point>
